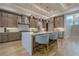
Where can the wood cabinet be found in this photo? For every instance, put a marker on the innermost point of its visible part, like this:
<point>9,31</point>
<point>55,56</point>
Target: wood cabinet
<point>0,38</point>
<point>59,21</point>
<point>17,35</point>
<point>12,20</point>
<point>44,22</point>
<point>0,19</point>
<point>9,36</point>
<point>33,23</point>
<point>4,19</point>
<point>50,24</point>
<point>4,37</point>
<point>14,36</point>
<point>8,19</point>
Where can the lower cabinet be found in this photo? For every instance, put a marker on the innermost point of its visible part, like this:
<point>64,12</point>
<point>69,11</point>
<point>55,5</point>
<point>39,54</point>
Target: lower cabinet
<point>14,36</point>
<point>0,38</point>
<point>5,37</point>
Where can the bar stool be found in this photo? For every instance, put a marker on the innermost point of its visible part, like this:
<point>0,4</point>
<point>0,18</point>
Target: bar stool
<point>60,34</point>
<point>43,39</point>
<point>53,36</point>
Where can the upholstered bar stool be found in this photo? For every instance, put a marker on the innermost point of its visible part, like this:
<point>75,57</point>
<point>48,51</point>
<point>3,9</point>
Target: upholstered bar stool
<point>53,36</point>
<point>43,39</point>
<point>61,34</point>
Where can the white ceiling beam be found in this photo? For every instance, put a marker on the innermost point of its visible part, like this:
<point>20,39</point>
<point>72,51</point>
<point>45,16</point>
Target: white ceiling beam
<point>39,8</point>
<point>63,6</point>
<point>66,12</point>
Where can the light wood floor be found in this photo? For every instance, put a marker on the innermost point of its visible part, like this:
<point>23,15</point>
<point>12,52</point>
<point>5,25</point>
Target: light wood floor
<point>71,45</point>
<point>15,49</point>
<point>12,49</point>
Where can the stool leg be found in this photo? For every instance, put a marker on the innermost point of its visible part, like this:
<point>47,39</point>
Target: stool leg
<point>47,49</point>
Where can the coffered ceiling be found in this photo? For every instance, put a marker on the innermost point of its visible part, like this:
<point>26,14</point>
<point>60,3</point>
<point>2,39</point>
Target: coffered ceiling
<point>43,10</point>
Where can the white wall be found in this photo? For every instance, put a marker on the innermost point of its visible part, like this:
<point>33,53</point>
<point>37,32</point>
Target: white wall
<point>71,23</point>
<point>68,22</point>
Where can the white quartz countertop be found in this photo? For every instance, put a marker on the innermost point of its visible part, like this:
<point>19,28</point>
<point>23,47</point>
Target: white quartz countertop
<point>58,29</point>
<point>39,33</point>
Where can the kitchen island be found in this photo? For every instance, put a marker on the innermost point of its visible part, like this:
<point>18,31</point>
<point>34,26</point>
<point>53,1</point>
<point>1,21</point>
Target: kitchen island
<point>28,40</point>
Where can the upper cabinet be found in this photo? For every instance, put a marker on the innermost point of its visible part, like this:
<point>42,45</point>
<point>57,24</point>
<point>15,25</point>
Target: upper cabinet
<point>0,19</point>
<point>12,20</point>
<point>33,22</point>
<point>59,21</point>
<point>8,19</point>
<point>44,23</point>
<point>50,24</point>
<point>4,19</point>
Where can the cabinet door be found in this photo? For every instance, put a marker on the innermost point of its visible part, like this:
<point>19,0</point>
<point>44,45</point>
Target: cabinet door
<point>4,19</point>
<point>59,21</point>
<point>19,19</point>
<point>0,38</point>
<point>17,35</point>
<point>15,21</point>
<point>14,36</point>
<point>33,22</point>
<point>12,20</point>
<point>4,37</point>
<point>11,36</point>
<point>0,20</point>
<point>44,23</point>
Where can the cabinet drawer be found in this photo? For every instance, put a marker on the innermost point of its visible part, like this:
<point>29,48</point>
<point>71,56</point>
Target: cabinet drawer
<point>4,37</point>
<point>14,36</point>
<point>0,20</point>
<point>0,38</point>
